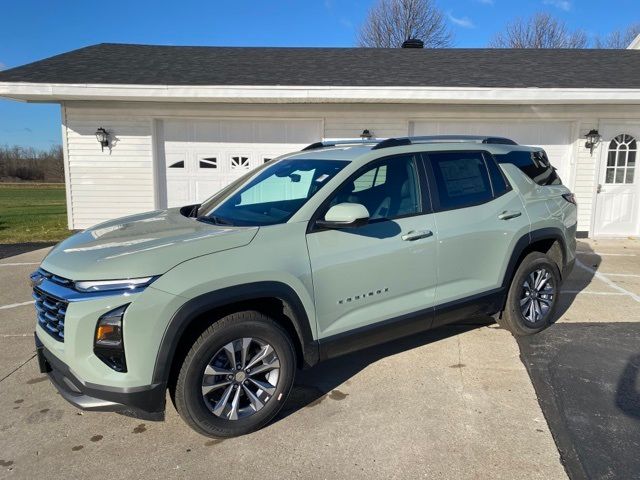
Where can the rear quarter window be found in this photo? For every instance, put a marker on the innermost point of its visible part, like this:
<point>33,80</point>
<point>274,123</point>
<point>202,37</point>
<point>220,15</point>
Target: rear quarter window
<point>535,165</point>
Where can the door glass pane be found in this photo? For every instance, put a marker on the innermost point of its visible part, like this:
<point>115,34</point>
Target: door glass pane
<point>365,181</point>
<point>629,178</point>
<point>609,177</point>
<point>622,158</point>
<point>631,159</point>
<point>462,179</point>
<point>388,190</point>
<point>611,161</point>
<point>620,175</point>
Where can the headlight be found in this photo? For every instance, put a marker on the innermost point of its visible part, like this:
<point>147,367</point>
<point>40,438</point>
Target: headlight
<point>108,343</point>
<point>109,285</point>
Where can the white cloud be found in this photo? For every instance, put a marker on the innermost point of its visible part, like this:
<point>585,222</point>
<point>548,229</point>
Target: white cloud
<point>561,4</point>
<point>464,22</point>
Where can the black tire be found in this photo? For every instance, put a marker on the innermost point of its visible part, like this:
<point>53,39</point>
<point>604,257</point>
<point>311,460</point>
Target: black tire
<point>188,394</point>
<point>512,317</point>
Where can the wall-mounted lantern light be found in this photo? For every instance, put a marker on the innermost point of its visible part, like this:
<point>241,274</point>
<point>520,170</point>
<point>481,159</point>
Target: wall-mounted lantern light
<point>366,135</point>
<point>103,137</point>
<point>593,138</point>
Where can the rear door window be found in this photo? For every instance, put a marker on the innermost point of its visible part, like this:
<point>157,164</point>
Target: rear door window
<point>461,179</point>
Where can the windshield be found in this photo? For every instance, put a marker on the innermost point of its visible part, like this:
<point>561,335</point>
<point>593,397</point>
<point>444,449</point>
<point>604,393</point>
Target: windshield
<point>272,196</point>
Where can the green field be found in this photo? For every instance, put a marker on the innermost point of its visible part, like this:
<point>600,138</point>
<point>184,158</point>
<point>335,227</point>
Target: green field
<point>32,212</point>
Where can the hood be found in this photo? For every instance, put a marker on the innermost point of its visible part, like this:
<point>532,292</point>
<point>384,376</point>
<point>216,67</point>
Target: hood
<point>140,246</point>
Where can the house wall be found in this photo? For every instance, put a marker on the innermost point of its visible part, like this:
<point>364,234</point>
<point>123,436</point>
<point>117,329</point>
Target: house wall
<point>121,180</point>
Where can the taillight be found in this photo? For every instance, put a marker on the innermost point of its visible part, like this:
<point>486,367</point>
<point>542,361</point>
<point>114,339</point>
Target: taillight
<point>570,197</point>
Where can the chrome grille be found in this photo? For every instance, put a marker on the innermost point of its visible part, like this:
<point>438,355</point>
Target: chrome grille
<point>50,312</point>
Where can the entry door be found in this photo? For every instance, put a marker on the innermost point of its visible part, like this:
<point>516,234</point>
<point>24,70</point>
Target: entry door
<point>366,275</point>
<point>618,191</point>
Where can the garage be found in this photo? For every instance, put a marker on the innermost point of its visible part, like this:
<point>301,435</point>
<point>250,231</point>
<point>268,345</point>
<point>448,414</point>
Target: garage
<point>174,136</point>
<point>554,137</point>
<point>203,156</point>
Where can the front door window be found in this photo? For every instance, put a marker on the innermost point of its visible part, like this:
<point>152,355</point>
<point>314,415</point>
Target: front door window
<point>621,160</point>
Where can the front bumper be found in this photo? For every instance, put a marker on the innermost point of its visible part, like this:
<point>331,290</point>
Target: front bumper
<point>88,396</point>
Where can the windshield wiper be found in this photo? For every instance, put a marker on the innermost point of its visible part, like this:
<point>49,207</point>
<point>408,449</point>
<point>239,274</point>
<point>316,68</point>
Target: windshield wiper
<point>213,220</point>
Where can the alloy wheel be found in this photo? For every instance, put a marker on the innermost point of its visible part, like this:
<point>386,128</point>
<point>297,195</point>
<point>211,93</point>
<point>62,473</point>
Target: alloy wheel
<point>538,295</point>
<point>241,378</point>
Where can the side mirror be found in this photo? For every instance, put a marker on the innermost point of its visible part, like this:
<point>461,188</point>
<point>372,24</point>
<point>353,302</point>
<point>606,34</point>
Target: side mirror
<point>345,215</point>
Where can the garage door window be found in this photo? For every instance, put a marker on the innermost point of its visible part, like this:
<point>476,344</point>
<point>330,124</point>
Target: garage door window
<point>240,163</point>
<point>621,161</point>
<point>461,179</point>
<point>209,162</point>
<point>179,164</point>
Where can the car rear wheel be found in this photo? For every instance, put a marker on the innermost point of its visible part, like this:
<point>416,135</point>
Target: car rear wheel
<point>236,377</point>
<point>533,296</point>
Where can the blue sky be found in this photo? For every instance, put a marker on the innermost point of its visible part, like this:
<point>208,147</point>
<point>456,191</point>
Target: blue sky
<point>32,30</point>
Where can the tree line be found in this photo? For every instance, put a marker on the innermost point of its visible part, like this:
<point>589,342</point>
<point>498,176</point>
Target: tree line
<point>391,22</point>
<point>29,164</point>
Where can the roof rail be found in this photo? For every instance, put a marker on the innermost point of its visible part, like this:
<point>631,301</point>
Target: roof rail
<point>395,142</point>
<point>379,143</point>
<point>342,141</point>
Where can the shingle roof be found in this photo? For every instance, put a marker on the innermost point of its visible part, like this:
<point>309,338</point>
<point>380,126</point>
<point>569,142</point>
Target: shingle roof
<point>171,65</point>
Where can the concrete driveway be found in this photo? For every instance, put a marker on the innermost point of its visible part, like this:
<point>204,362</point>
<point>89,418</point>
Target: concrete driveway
<point>452,403</point>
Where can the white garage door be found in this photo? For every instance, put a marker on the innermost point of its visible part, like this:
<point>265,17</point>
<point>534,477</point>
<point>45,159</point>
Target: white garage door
<point>203,156</point>
<point>554,137</point>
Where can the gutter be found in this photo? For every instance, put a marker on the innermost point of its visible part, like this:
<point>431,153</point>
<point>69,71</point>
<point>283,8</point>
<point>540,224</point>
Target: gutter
<point>55,92</point>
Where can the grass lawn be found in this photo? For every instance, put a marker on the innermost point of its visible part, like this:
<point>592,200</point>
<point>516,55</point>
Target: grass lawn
<point>31,212</point>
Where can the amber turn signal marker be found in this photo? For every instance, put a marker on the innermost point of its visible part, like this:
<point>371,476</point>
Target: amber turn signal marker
<point>104,331</point>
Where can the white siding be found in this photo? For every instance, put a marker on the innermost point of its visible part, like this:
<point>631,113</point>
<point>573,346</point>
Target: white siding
<point>113,183</point>
<point>104,185</point>
<point>585,177</point>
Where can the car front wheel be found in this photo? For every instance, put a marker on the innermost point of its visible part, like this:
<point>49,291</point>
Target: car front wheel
<point>236,376</point>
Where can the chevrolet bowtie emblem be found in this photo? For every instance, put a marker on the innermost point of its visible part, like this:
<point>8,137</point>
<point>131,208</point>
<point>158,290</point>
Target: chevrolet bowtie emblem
<point>36,279</point>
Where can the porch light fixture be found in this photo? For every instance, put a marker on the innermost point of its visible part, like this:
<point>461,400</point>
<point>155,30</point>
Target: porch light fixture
<point>366,135</point>
<point>103,138</point>
<point>593,138</point>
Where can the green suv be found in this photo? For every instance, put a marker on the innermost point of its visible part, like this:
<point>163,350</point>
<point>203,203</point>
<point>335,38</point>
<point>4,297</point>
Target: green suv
<point>315,254</point>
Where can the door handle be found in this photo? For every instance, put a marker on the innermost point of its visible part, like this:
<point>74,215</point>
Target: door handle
<point>416,235</point>
<point>506,215</point>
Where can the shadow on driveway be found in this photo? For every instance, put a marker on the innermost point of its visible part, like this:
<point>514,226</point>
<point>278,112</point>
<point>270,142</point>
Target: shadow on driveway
<point>313,385</point>
<point>12,249</point>
<point>586,379</point>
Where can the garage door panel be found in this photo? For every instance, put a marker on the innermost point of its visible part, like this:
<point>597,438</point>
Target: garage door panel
<point>178,192</point>
<point>205,188</point>
<point>178,131</point>
<point>216,152</point>
<point>554,137</point>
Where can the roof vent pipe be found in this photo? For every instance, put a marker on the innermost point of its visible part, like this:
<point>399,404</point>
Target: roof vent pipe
<point>413,43</point>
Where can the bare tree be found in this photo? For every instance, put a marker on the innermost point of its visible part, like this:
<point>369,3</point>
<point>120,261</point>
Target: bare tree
<point>29,164</point>
<point>391,22</point>
<point>619,38</point>
<point>539,31</point>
